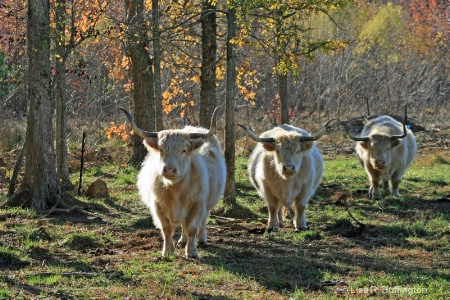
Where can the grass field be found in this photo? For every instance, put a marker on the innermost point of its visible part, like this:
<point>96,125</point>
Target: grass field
<point>394,248</point>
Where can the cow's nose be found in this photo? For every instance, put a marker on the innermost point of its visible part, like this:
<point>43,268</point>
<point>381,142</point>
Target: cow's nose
<point>288,168</point>
<point>380,163</point>
<point>169,171</point>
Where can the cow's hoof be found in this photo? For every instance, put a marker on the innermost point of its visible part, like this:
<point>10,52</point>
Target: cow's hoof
<point>167,253</point>
<point>202,243</point>
<point>375,196</point>
<point>193,255</point>
<point>301,229</point>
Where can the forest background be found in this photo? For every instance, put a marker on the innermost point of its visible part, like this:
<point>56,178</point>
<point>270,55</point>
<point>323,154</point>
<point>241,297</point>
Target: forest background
<point>389,52</point>
<point>170,61</point>
<point>65,67</point>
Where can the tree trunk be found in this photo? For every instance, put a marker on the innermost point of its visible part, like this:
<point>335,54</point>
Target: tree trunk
<point>282,74</point>
<point>40,186</point>
<point>143,97</point>
<point>62,166</point>
<point>208,67</point>
<point>157,65</point>
<point>284,101</point>
<point>230,190</point>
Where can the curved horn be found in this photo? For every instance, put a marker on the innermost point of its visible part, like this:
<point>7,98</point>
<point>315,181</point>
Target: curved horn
<point>212,127</point>
<point>255,137</point>
<point>358,139</point>
<point>318,135</point>
<point>136,129</point>
<point>404,128</point>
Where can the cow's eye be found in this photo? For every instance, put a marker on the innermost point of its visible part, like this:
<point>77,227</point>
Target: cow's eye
<point>184,151</point>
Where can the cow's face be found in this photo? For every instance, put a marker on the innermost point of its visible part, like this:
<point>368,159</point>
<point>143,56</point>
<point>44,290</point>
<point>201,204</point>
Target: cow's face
<point>175,150</point>
<point>380,150</point>
<point>288,153</point>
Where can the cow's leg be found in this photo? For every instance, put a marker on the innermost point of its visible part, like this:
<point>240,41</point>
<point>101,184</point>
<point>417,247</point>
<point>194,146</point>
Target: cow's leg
<point>300,204</point>
<point>201,235</point>
<point>191,244</point>
<point>374,179</point>
<point>386,187</point>
<point>300,218</point>
<point>183,238</point>
<point>274,208</point>
<point>395,181</point>
<point>374,190</point>
<point>167,230</point>
<point>273,223</point>
<point>395,184</point>
<point>192,224</point>
<point>280,217</point>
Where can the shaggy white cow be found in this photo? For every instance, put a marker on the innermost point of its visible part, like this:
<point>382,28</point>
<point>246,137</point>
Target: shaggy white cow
<point>181,181</point>
<point>385,149</point>
<point>286,168</point>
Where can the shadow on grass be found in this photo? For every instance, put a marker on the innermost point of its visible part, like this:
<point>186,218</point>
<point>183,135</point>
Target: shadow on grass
<point>10,261</point>
<point>142,224</point>
<point>113,202</point>
<point>234,211</point>
<point>428,181</point>
<point>285,266</point>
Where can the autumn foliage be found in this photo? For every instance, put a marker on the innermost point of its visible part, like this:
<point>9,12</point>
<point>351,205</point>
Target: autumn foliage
<point>367,36</point>
<point>118,131</point>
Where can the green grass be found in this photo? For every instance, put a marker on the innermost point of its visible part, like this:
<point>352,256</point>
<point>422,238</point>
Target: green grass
<point>115,251</point>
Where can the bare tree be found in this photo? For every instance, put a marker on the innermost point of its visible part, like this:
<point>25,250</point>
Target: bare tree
<point>230,191</point>
<point>143,96</point>
<point>60,95</point>
<point>208,67</point>
<point>157,65</point>
<point>40,187</point>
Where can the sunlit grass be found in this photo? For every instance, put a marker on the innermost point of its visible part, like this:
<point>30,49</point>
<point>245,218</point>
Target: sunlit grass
<point>115,251</point>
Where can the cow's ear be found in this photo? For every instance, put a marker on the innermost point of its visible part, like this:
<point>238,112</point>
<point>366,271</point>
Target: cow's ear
<point>151,143</point>
<point>306,146</point>
<point>269,146</point>
<point>365,145</point>
<point>396,142</point>
<point>197,143</point>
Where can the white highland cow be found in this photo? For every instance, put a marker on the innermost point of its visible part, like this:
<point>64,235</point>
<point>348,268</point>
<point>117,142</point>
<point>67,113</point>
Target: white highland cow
<point>181,181</point>
<point>286,168</point>
<point>385,149</point>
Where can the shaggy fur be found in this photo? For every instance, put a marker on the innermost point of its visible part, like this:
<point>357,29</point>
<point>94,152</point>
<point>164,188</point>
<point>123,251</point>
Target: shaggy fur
<point>181,181</point>
<point>286,173</point>
<point>383,157</point>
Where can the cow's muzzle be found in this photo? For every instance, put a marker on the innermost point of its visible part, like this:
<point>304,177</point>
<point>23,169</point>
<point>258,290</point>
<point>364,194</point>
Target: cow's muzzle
<point>288,170</point>
<point>380,164</point>
<point>169,172</point>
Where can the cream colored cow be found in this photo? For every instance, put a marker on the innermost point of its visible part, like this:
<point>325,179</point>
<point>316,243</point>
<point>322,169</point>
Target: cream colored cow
<point>286,168</point>
<point>385,149</point>
<point>181,181</point>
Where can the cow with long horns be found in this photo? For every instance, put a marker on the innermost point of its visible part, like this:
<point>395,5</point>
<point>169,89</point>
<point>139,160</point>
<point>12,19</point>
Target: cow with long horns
<point>385,148</point>
<point>181,181</point>
<point>286,168</point>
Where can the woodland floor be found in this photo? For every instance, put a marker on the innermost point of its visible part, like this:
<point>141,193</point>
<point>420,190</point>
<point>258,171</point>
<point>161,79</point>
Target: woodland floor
<point>242,260</point>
